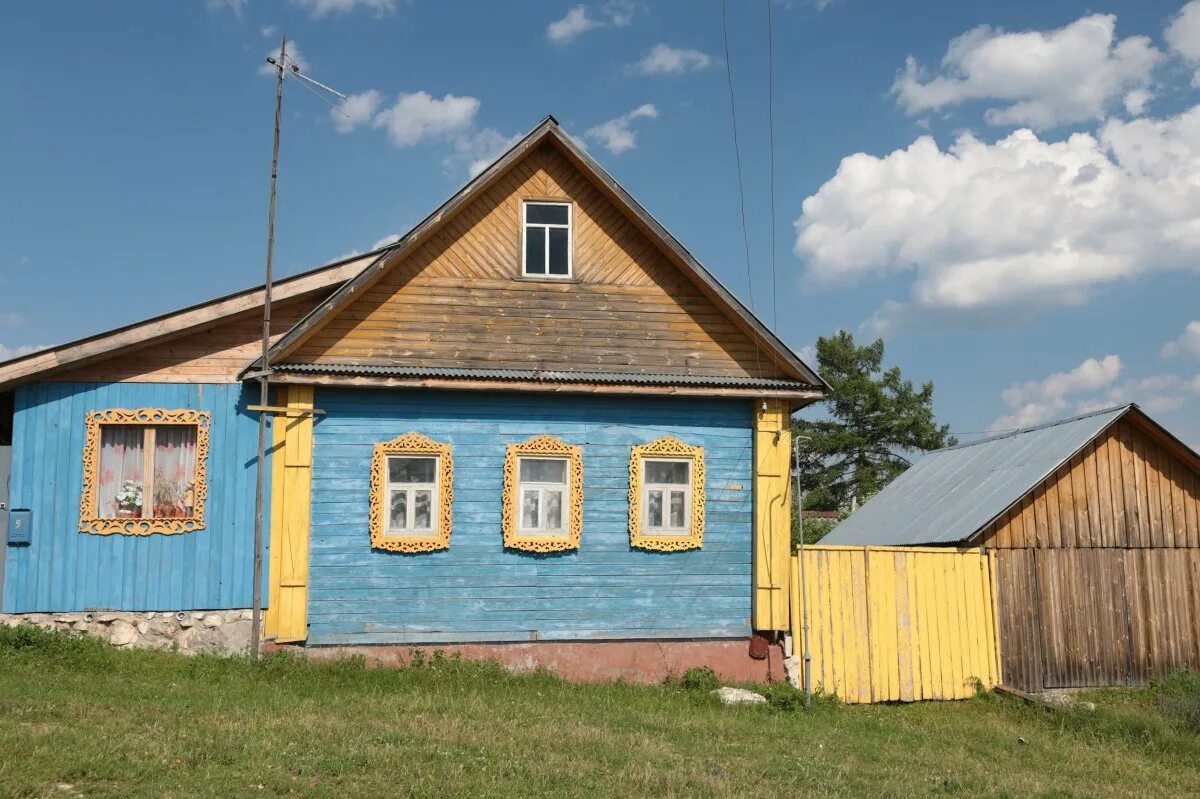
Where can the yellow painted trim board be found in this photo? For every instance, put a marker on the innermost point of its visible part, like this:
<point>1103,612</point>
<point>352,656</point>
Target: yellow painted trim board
<point>286,619</point>
<point>772,514</point>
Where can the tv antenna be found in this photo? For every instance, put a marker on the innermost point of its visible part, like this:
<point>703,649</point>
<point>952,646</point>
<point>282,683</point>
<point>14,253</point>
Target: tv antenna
<point>285,66</point>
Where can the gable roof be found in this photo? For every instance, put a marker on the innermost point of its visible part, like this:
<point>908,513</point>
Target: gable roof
<point>792,366</point>
<point>951,494</point>
<point>50,360</point>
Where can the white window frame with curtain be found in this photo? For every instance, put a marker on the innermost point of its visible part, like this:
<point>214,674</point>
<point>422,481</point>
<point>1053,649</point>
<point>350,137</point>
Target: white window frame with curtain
<point>543,230</point>
<point>410,489</point>
<point>541,490</point>
<point>667,491</point>
<point>144,471</point>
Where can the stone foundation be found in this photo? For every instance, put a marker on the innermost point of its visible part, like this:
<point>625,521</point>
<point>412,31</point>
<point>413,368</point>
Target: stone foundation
<point>222,632</point>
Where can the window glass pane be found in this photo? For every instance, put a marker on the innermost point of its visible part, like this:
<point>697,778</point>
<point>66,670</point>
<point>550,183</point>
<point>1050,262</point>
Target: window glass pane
<point>537,470</point>
<point>399,513</point>
<point>529,510</point>
<point>422,502</point>
<point>558,251</point>
<point>411,470</point>
<point>535,251</point>
<point>654,509</point>
<point>667,472</point>
<point>547,214</point>
<point>553,509</point>
<point>119,483</point>
<point>174,471</point>
<point>677,510</point>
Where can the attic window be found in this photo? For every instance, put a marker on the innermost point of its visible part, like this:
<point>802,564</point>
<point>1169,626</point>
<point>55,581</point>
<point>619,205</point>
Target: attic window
<point>546,251</point>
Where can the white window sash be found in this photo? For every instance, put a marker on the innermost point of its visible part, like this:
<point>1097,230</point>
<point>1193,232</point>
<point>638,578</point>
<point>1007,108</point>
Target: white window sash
<point>410,504</point>
<point>685,488</point>
<point>546,227</point>
<point>542,489</point>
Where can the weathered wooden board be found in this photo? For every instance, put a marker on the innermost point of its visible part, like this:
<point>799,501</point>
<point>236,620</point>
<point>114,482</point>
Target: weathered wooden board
<point>1125,489</point>
<point>459,299</point>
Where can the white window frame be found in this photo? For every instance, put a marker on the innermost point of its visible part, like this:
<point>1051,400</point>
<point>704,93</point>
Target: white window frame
<point>410,507</point>
<point>684,488</point>
<point>569,227</point>
<point>542,487</point>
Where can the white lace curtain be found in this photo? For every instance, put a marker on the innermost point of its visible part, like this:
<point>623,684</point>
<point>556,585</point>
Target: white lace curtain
<point>124,488</point>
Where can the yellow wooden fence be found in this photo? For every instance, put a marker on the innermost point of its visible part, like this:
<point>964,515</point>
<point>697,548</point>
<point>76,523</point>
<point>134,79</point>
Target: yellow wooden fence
<point>896,623</point>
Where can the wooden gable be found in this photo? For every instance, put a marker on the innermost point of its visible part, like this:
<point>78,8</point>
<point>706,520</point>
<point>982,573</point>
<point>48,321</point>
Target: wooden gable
<point>458,298</point>
<point>1132,486</point>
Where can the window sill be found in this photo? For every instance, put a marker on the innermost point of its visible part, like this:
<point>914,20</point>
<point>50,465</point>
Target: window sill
<point>548,279</point>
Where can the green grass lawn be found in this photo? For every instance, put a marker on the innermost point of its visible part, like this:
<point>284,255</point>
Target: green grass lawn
<point>78,717</point>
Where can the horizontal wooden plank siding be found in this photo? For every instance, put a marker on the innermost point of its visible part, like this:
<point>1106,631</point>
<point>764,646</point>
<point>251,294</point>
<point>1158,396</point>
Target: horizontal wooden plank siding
<point>66,570</point>
<point>1097,617</point>
<point>1124,489</point>
<point>477,590</point>
<point>896,624</point>
<point>458,299</point>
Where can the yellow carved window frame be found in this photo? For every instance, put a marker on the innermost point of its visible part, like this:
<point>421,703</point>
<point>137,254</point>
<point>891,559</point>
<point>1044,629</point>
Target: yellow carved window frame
<point>418,445</point>
<point>90,520</point>
<point>667,448</point>
<point>543,446</point>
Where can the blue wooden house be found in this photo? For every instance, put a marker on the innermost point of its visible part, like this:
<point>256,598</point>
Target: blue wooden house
<point>534,424</point>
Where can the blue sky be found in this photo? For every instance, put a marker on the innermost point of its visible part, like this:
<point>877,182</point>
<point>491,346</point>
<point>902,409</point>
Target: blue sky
<point>1007,192</point>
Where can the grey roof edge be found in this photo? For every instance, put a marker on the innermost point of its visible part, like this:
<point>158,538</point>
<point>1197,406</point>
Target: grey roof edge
<point>543,375</point>
<point>549,126</point>
<point>1045,425</point>
<point>193,307</point>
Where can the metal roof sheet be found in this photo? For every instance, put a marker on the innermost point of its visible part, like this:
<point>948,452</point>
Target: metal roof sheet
<point>540,375</point>
<point>949,494</point>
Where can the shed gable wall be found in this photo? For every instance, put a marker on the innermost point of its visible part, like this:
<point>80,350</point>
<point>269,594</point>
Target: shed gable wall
<point>1124,489</point>
<point>459,300</point>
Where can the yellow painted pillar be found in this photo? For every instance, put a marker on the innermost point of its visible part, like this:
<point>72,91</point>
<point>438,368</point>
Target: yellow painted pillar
<point>286,618</point>
<point>772,514</point>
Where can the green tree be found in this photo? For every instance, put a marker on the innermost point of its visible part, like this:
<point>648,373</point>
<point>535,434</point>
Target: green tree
<point>876,421</point>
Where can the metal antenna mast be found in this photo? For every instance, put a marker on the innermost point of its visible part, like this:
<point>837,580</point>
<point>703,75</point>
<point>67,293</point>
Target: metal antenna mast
<point>282,69</point>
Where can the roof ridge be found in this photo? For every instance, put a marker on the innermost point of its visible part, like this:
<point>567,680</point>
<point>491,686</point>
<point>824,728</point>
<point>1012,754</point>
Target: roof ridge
<point>1037,427</point>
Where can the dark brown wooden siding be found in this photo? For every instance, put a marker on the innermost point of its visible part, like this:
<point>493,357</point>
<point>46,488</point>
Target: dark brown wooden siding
<point>1125,489</point>
<point>459,300</point>
<point>1094,617</point>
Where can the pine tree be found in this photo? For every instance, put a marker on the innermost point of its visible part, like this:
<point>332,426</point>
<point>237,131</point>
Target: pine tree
<point>876,422</point>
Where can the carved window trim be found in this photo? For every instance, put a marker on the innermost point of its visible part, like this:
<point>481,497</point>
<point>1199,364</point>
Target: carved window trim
<point>419,445</point>
<point>669,448</point>
<point>90,520</point>
<point>545,446</point>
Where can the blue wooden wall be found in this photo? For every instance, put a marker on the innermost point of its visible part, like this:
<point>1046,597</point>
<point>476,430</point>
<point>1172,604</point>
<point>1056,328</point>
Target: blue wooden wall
<point>65,570</point>
<point>477,590</point>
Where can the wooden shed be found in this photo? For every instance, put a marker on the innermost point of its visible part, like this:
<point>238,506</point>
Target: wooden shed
<point>1095,522</point>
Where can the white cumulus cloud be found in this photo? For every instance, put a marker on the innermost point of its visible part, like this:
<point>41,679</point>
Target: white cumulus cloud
<point>577,21</point>
<point>1188,342</point>
<point>666,60</point>
<point>478,149</point>
<point>1019,224</point>
<point>419,116</point>
<point>616,135</point>
<point>1039,78</point>
<point>356,110</point>
<point>8,353</point>
<point>1035,401</point>
<point>323,8</point>
<point>1183,36</point>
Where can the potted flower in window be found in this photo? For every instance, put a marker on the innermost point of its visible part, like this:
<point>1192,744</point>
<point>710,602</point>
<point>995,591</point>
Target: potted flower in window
<point>129,500</point>
<point>168,496</point>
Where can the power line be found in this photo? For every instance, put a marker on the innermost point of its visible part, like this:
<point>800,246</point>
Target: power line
<point>771,150</point>
<point>737,151</point>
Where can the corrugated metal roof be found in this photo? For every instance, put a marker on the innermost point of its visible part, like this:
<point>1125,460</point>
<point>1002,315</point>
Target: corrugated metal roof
<point>949,494</point>
<point>542,376</point>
